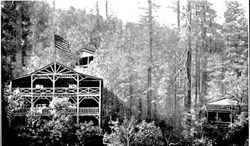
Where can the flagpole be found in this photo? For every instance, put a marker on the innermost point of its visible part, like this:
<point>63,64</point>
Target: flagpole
<point>53,27</point>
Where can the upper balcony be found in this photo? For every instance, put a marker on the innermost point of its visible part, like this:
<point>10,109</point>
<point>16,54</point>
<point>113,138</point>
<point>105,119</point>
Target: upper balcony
<point>57,80</point>
<point>86,91</point>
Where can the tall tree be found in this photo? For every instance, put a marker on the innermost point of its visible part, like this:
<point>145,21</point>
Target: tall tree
<point>205,34</point>
<point>175,68</point>
<point>130,38</point>
<point>197,63</point>
<point>16,25</point>
<point>189,62</point>
<point>15,45</point>
<point>203,53</point>
<point>236,36</point>
<point>149,92</point>
<point>106,8</point>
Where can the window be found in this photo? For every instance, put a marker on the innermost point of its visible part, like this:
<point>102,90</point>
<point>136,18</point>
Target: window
<point>212,117</point>
<point>86,60</point>
<point>91,58</point>
<point>223,117</point>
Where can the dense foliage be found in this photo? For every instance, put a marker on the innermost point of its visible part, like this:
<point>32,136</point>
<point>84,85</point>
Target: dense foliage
<point>57,129</point>
<point>122,58</point>
<point>131,133</point>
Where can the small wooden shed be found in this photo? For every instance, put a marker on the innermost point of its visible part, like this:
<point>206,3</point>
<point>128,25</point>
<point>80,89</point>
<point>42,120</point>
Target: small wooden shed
<point>223,111</point>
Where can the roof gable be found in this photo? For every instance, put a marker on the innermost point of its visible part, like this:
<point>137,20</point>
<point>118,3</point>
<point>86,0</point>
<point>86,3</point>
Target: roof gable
<point>225,101</point>
<point>88,49</point>
<point>57,68</point>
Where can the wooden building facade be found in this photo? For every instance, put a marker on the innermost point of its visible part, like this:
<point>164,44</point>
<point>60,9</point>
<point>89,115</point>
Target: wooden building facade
<point>224,111</point>
<point>57,80</point>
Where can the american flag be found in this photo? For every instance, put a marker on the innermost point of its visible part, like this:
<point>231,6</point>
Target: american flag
<point>61,43</point>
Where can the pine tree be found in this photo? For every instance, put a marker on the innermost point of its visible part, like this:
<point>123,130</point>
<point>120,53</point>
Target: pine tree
<point>149,92</point>
<point>236,36</point>
<point>189,62</point>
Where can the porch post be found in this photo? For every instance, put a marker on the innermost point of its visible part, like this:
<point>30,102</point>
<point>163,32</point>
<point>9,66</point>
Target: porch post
<point>31,88</point>
<point>10,85</point>
<point>100,101</point>
<point>53,82</point>
<point>77,100</point>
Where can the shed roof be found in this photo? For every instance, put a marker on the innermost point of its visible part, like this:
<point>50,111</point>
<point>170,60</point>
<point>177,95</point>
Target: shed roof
<point>223,102</point>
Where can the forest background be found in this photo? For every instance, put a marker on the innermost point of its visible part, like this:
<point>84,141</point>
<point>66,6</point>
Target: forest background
<point>156,71</point>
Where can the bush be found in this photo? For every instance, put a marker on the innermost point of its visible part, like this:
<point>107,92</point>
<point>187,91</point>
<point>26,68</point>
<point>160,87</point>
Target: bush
<point>13,101</point>
<point>129,133</point>
<point>59,130</point>
<point>191,133</point>
<point>52,133</point>
<point>88,134</point>
<point>238,133</point>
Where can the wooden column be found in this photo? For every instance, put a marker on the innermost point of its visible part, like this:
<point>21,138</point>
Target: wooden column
<point>54,79</point>
<point>231,113</point>
<point>10,85</point>
<point>77,100</point>
<point>31,88</point>
<point>100,102</point>
<point>54,84</point>
<point>217,118</point>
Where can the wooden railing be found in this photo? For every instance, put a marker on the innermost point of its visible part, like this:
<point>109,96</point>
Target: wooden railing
<point>60,90</point>
<point>72,111</point>
<point>89,110</point>
<point>89,90</point>
<point>21,112</point>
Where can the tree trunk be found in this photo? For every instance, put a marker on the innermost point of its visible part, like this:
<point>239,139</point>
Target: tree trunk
<point>175,61</point>
<point>223,91</point>
<point>106,7</point>
<point>197,65</point>
<point>188,66</point>
<point>178,15</point>
<point>203,57</point>
<point>97,15</point>
<point>149,92</point>
<point>131,94</point>
<point>131,73</point>
<point>19,52</point>
<point>140,109</point>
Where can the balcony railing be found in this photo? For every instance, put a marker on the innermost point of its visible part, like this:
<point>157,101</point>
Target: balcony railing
<point>89,111</point>
<point>60,91</point>
<point>21,112</point>
<point>72,111</point>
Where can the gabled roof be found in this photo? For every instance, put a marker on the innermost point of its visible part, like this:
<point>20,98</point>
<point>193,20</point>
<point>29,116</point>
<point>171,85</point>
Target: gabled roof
<point>224,102</point>
<point>88,49</point>
<point>57,68</point>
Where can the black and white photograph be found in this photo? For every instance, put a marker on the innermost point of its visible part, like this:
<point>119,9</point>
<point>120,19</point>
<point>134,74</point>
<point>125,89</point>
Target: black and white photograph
<point>124,73</point>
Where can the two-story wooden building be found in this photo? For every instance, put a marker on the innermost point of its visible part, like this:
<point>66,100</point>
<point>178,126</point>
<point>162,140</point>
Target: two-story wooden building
<point>57,80</point>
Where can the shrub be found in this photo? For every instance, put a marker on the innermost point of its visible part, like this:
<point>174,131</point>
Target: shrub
<point>129,133</point>
<point>59,130</point>
<point>14,102</point>
<point>87,134</point>
<point>238,133</point>
<point>192,131</point>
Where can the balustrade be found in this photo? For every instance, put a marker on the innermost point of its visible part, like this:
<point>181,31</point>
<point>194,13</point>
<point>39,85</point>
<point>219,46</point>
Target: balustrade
<point>72,111</point>
<point>60,90</point>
